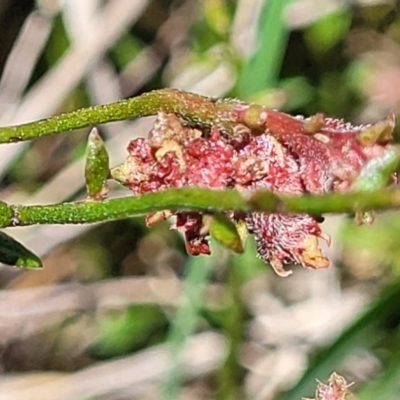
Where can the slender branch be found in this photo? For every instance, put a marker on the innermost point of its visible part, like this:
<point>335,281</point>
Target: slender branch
<point>192,107</point>
<point>195,199</point>
<point>93,211</point>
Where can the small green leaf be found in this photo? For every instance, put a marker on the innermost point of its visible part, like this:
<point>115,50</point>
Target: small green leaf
<point>376,174</point>
<point>14,253</point>
<point>97,166</point>
<point>227,233</point>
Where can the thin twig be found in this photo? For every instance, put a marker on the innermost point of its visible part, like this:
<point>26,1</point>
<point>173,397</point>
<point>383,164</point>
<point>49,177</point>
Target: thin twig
<point>196,199</point>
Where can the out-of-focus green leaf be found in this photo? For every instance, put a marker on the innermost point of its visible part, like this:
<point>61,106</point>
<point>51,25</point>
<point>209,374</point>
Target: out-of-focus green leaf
<point>246,264</point>
<point>126,49</point>
<point>216,14</point>
<point>261,71</point>
<point>298,92</point>
<point>325,33</point>
<point>137,326</point>
<point>387,384</point>
<point>380,241</point>
<point>14,253</point>
<point>58,42</point>
<point>333,96</point>
<point>356,74</point>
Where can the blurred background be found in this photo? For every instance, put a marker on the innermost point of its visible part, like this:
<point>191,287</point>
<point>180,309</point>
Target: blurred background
<point>120,311</point>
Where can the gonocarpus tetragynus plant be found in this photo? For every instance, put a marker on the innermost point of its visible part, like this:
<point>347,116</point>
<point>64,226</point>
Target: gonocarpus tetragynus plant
<point>223,168</point>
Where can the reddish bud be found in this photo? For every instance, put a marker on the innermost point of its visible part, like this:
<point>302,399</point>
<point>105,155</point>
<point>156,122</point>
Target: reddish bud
<point>269,150</point>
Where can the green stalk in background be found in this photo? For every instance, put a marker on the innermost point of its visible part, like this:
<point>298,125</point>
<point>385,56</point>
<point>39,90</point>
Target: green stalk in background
<point>184,324</point>
<point>229,383</point>
<point>261,71</point>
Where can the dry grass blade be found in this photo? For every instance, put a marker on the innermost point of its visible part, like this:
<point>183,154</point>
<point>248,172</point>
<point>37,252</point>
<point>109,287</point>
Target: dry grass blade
<point>134,375</point>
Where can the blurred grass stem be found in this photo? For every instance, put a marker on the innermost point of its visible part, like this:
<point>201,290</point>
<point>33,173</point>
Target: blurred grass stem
<point>184,324</point>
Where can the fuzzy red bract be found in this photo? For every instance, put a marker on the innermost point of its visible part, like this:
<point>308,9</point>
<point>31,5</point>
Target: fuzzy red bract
<point>284,154</point>
<point>209,162</point>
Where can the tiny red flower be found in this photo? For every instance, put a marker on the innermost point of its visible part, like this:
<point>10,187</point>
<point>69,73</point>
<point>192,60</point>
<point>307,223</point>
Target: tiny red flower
<point>335,389</point>
<point>277,152</point>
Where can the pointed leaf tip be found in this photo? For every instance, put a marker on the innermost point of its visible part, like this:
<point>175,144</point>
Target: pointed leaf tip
<point>14,253</point>
<point>378,172</point>
<point>97,166</point>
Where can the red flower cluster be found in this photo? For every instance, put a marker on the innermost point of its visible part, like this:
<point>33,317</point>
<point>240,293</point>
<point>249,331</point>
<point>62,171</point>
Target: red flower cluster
<point>283,154</point>
<point>335,389</point>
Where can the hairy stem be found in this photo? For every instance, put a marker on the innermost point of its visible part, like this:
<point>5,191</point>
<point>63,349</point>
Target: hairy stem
<point>196,199</point>
<point>192,107</point>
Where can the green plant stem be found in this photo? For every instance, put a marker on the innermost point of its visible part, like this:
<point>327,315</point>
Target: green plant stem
<point>195,199</point>
<point>184,324</point>
<point>192,107</point>
<point>230,376</point>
